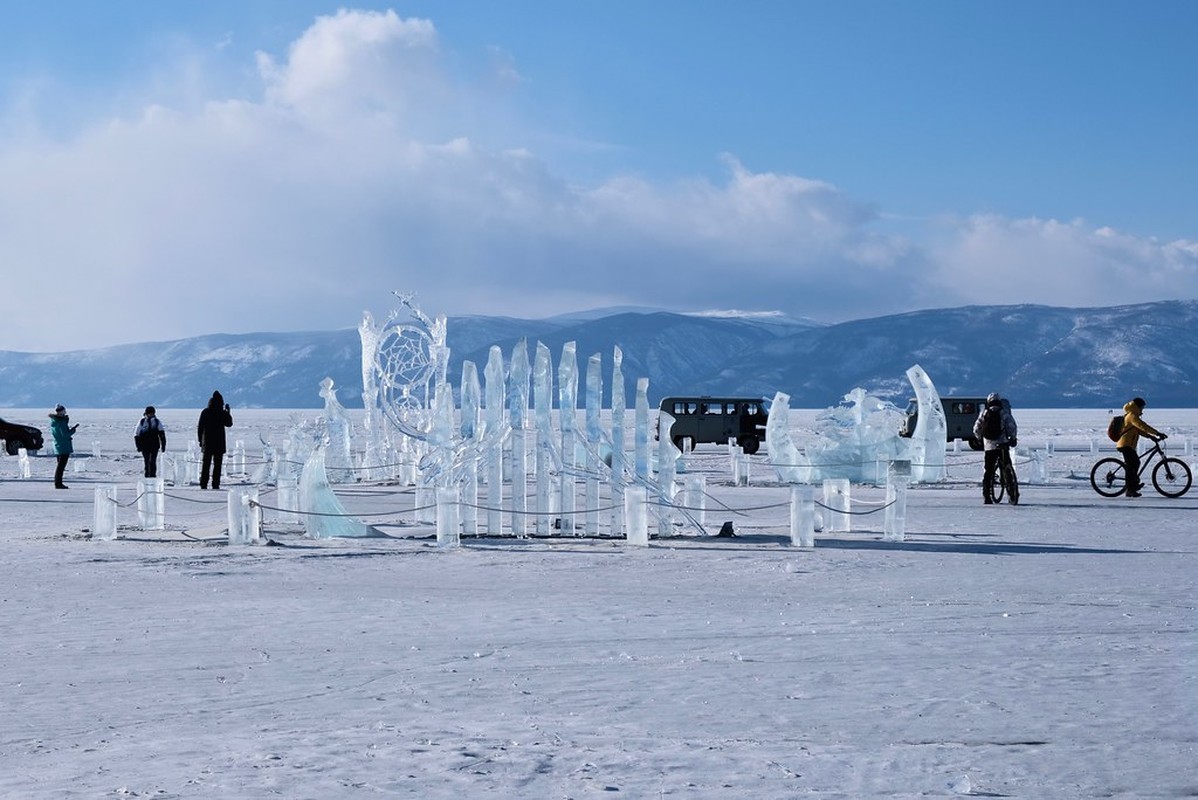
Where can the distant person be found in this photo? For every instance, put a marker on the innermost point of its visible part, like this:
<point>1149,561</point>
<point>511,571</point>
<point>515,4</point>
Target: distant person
<point>1129,440</point>
<point>211,432</point>
<point>996,428</point>
<point>150,437</point>
<point>62,431</point>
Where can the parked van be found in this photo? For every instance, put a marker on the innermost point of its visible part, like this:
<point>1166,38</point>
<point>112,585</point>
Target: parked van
<point>703,420</point>
<point>959,412</point>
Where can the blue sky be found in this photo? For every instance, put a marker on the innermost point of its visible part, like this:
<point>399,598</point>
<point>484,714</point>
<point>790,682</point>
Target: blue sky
<point>284,165</point>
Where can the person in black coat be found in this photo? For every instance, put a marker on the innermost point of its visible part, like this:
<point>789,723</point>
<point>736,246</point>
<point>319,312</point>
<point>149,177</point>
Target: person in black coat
<point>211,433</point>
<point>150,437</point>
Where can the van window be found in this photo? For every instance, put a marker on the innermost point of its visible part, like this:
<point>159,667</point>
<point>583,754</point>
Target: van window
<point>752,408</point>
<point>681,408</point>
<point>713,408</point>
<point>964,408</point>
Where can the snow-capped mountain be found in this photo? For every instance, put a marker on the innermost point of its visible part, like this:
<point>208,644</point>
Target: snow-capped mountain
<point>1039,356</point>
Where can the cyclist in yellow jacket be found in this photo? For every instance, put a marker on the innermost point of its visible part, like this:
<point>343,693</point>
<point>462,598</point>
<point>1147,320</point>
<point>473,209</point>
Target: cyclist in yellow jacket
<point>1133,426</point>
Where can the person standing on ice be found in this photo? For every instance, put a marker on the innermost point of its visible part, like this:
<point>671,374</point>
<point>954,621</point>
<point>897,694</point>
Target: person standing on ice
<point>150,437</point>
<point>62,431</point>
<point>996,428</point>
<point>211,433</point>
<point>1133,426</point>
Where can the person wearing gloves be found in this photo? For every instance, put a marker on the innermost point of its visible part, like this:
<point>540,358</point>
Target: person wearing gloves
<point>62,431</point>
<point>1133,426</point>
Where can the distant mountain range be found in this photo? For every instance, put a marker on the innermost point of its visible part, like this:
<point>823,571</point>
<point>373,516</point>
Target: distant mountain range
<point>1039,356</point>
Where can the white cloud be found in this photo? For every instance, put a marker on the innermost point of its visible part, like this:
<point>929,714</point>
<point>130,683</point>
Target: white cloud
<point>361,166</point>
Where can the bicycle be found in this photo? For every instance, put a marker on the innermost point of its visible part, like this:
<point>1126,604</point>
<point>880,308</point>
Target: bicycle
<point>1004,482</point>
<point>1171,476</point>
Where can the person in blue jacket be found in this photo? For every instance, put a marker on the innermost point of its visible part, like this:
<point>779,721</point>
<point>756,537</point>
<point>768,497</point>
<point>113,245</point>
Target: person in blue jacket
<point>62,431</point>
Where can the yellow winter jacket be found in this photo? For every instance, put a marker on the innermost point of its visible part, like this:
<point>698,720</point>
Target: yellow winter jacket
<point>1133,426</point>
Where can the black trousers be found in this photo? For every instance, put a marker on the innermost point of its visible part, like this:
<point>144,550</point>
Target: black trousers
<point>63,458</point>
<point>989,467</point>
<point>211,464</point>
<point>1131,465</point>
<point>151,459</point>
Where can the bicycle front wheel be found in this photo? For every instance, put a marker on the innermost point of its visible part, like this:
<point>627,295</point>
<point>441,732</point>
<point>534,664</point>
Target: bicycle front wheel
<point>996,486</point>
<point>1172,477</point>
<point>1108,477</point>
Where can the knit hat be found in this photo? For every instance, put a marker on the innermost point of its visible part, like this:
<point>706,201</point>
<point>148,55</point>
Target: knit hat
<point>150,411</point>
<point>59,411</point>
<point>1139,401</point>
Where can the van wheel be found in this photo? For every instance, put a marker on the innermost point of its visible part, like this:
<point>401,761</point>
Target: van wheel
<point>976,444</point>
<point>749,444</point>
<point>11,446</point>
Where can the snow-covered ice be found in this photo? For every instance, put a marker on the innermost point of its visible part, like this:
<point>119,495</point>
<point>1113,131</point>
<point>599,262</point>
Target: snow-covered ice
<point>1043,650</point>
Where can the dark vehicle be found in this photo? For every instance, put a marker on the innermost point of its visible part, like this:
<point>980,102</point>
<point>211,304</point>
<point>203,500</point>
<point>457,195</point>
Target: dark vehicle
<point>704,420</point>
<point>959,414</point>
<point>16,436</point>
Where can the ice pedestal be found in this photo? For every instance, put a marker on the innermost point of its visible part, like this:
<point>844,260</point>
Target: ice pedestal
<point>740,469</point>
<point>696,499</point>
<point>151,513</point>
<point>636,516</point>
<point>237,465</point>
<point>23,468</point>
<point>193,464</point>
<point>95,449</point>
<point>104,517</point>
<point>836,504</point>
<point>288,500</point>
<point>449,529</point>
<point>895,522</point>
<point>802,516</point>
<point>245,516</point>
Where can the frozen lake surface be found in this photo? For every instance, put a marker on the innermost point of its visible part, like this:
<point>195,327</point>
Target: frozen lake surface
<point>1043,650</point>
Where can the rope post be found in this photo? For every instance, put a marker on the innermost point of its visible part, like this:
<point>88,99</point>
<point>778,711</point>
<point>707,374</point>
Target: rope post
<point>288,497</point>
<point>636,516</point>
<point>95,449</point>
<point>696,498</point>
<point>802,516</point>
<point>192,472</point>
<point>732,453</point>
<point>151,504</point>
<point>104,520</point>
<point>425,497</point>
<point>245,517</point>
<point>469,492</point>
<point>519,483</point>
<point>449,533</point>
<point>895,524</point>
<point>740,468</point>
<point>836,498</point>
<point>25,471</point>
<point>1039,467</point>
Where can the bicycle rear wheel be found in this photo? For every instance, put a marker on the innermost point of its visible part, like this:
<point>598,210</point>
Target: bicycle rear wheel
<point>1172,477</point>
<point>1010,480</point>
<point>1108,477</point>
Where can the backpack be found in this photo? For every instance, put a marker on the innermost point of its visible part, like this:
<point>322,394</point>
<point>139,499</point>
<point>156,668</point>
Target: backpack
<point>992,423</point>
<point>1114,428</point>
<point>147,433</point>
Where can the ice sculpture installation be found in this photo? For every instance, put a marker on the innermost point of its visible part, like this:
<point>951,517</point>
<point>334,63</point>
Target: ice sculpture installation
<point>493,457</point>
<point>518,419</point>
<point>618,403</point>
<point>338,436</point>
<point>567,391</point>
<point>929,441</point>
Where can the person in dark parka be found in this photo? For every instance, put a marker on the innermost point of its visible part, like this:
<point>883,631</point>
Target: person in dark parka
<point>211,433</point>
<point>150,437</point>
